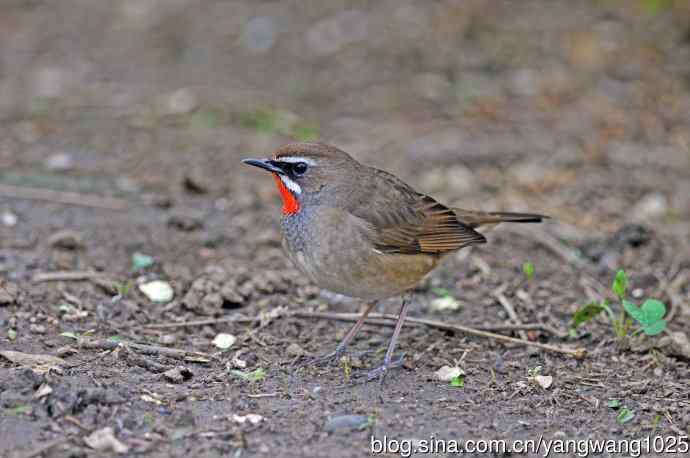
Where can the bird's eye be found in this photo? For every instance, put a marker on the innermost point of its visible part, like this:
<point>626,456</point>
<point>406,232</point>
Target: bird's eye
<point>299,168</point>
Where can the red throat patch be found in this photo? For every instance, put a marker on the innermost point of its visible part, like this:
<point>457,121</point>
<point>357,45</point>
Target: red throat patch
<point>290,203</point>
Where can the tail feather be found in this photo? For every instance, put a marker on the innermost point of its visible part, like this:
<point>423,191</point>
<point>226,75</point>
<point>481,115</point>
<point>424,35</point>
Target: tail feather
<point>476,219</point>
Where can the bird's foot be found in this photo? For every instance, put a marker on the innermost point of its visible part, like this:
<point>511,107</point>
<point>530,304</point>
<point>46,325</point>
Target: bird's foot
<point>381,371</point>
<point>329,358</point>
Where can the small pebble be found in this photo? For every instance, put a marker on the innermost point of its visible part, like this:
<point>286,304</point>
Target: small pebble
<point>157,291</point>
<point>58,162</point>
<point>652,205</point>
<point>167,339</point>
<point>177,374</point>
<point>8,219</point>
<point>37,329</point>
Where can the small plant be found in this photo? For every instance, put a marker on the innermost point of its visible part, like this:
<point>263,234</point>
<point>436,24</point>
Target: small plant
<point>256,375</point>
<point>122,290</point>
<point>614,404</point>
<point>440,292</point>
<point>141,261</point>
<point>624,414</point>
<point>347,368</point>
<point>649,316</point>
<point>19,410</point>
<point>528,270</point>
<point>458,381</point>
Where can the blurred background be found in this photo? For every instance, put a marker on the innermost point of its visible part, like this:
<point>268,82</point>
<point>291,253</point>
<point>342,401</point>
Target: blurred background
<point>472,100</point>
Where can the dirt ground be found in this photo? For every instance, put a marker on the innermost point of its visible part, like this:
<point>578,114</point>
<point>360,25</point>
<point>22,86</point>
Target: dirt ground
<point>122,127</point>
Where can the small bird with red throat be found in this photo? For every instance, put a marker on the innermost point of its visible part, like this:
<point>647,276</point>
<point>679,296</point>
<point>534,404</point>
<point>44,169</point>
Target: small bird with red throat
<point>364,233</point>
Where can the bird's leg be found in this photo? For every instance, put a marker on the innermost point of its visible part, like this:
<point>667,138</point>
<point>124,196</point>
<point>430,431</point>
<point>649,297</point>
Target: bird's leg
<point>388,362</point>
<point>342,346</point>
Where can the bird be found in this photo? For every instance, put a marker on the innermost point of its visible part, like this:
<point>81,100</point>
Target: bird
<point>362,232</point>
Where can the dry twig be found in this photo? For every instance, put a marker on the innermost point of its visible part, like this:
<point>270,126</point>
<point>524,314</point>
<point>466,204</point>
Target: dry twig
<point>63,197</point>
<point>66,275</point>
<point>103,344</point>
<point>578,353</point>
<point>386,320</point>
<point>508,306</point>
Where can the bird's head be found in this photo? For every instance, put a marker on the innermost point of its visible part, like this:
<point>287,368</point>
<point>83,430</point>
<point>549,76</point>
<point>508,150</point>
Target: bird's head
<point>308,173</point>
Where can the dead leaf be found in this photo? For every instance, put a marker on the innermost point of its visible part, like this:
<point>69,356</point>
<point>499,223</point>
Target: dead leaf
<point>252,418</point>
<point>446,303</point>
<point>42,391</point>
<point>447,373</point>
<point>676,343</point>
<point>39,363</point>
<point>105,440</point>
<point>544,381</point>
<point>8,293</point>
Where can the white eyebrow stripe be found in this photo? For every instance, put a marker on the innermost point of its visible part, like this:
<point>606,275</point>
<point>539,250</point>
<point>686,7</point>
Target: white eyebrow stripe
<point>296,159</point>
<point>291,185</point>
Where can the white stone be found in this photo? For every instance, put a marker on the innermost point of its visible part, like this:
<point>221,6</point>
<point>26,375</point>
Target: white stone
<point>447,373</point>
<point>157,291</point>
<point>224,341</point>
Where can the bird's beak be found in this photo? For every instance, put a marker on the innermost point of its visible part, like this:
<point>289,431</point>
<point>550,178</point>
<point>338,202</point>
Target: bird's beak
<point>265,164</point>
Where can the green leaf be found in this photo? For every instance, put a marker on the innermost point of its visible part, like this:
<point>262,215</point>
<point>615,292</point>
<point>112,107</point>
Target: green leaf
<point>625,415</point>
<point>11,335</point>
<point>440,292</point>
<point>634,311</point>
<point>141,261</point>
<point>620,284</point>
<point>587,313</point>
<point>528,270</point>
<point>70,334</point>
<point>650,315</point>
<point>458,381</point>
<point>614,403</point>
<point>115,338</point>
<point>254,376</point>
<point>653,311</point>
<point>19,410</point>
<point>655,328</point>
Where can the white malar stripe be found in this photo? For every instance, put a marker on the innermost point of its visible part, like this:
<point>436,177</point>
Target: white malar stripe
<point>296,159</point>
<point>291,185</point>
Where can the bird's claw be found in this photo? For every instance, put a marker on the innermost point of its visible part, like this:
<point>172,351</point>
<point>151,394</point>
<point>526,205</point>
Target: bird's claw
<point>328,358</point>
<point>381,371</point>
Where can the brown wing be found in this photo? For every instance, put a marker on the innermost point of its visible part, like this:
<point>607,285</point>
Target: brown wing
<point>407,222</point>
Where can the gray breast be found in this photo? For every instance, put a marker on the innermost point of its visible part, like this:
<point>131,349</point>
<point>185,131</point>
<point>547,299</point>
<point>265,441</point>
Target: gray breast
<point>331,248</point>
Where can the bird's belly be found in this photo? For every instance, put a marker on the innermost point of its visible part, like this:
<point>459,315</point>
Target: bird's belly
<point>345,263</point>
<point>374,276</point>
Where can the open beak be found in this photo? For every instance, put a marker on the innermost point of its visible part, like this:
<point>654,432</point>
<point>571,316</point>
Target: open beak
<point>265,164</point>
